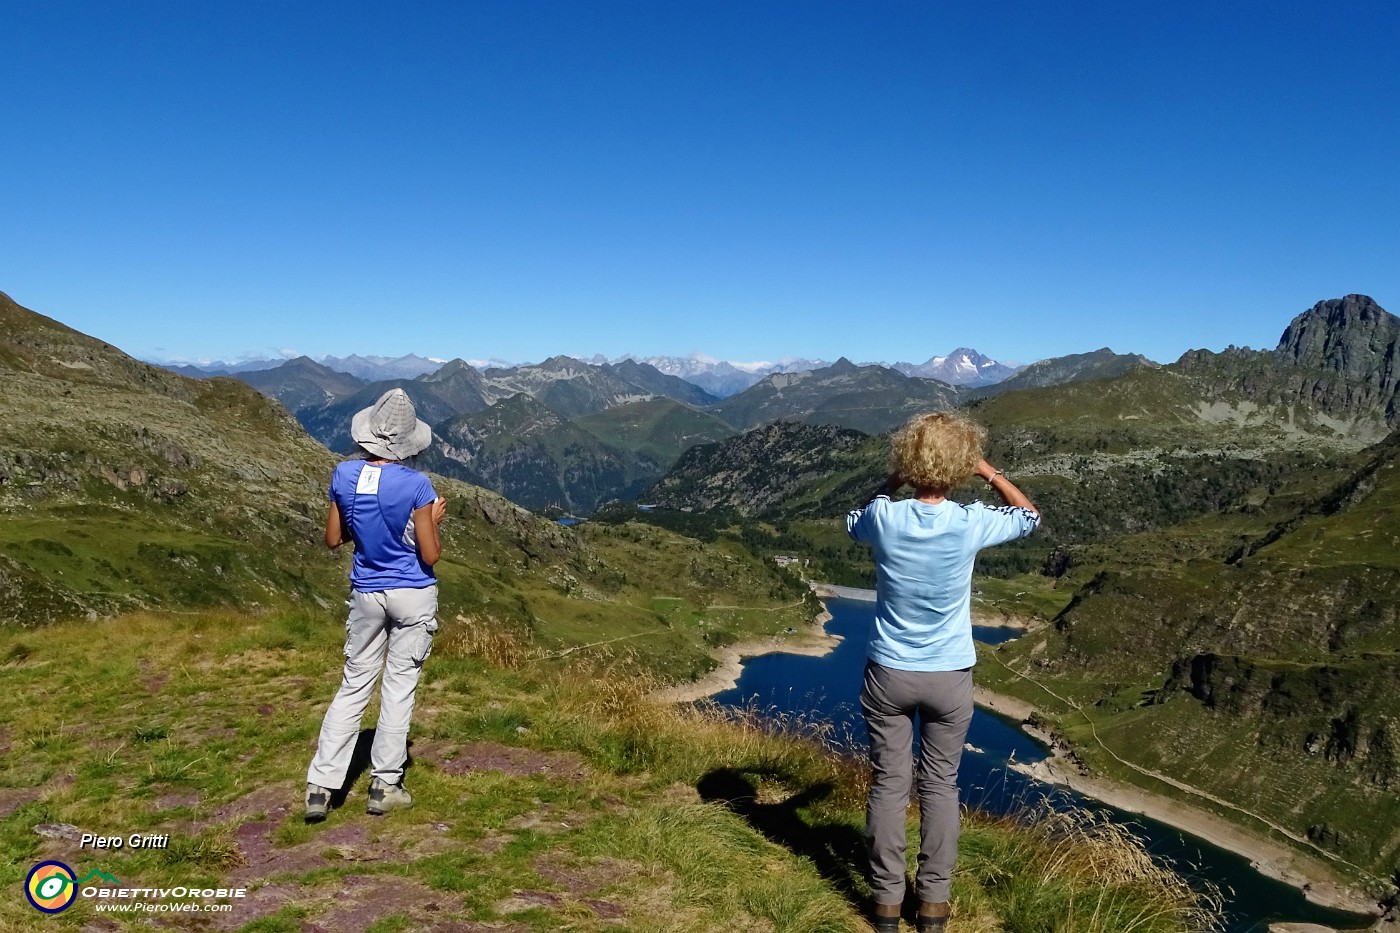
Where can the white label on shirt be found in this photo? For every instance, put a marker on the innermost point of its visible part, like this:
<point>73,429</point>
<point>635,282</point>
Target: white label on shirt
<point>369,481</point>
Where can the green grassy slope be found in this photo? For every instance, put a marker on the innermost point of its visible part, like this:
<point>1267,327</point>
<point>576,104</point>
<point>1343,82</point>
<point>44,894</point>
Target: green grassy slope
<point>548,795</point>
<point>1265,671</point>
<point>126,486</point>
<point>659,429</point>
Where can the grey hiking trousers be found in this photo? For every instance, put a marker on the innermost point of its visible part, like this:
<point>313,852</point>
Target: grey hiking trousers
<point>392,631</point>
<point>890,699</point>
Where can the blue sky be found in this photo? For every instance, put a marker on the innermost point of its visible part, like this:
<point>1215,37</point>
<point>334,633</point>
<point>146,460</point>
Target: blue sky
<point>752,180</point>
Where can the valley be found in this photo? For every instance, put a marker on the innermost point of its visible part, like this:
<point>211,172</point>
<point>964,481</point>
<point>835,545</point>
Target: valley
<point>1213,587</point>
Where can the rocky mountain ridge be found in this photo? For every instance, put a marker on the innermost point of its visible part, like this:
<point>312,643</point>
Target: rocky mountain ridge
<point>864,398</point>
<point>1076,367</point>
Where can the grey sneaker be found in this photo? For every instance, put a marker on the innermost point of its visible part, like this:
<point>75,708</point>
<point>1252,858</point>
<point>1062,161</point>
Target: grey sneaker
<point>318,801</point>
<point>385,797</point>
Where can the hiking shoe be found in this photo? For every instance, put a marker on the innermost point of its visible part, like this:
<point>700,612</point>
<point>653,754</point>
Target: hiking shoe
<point>885,918</point>
<point>933,917</point>
<point>385,797</point>
<point>318,802</point>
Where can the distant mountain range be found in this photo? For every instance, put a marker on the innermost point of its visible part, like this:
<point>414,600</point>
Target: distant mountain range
<point>962,367</point>
<point>580,398</point>
<point>364,367</point>
<point>866,398</point>
<point>718,378</point>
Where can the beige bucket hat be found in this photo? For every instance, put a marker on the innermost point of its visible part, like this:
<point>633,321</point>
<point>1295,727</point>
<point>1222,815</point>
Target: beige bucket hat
<point>390,428</point>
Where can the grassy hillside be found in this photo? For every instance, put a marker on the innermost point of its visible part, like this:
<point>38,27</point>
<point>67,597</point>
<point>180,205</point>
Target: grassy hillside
<point>124,485</point>
<point>129,487</point>
<point>1263,666</point>
<point>548,795</point>
<point>659,429</point>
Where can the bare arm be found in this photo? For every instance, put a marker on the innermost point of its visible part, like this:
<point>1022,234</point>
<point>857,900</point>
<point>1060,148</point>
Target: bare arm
<point>888,488</point>
<point>1004,487</point>
<point>425,528</point>
<point>335,528</point>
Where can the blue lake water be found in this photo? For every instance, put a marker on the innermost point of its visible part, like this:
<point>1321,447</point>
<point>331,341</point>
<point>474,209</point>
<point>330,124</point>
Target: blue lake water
<point>827,689</point>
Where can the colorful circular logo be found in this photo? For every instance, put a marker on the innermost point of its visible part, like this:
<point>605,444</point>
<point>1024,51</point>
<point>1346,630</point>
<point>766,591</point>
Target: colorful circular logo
<point>50,887</point>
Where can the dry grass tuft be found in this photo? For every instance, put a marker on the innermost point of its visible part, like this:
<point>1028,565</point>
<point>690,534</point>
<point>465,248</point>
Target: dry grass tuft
<point>485,638</point>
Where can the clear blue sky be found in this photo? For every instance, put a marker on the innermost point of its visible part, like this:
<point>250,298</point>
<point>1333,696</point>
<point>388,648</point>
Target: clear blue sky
<point>755,179</point>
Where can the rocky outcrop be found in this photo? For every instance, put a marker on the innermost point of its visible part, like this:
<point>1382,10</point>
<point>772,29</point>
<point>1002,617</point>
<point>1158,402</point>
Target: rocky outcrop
<point>1343,712</point>
<point>1352,336</point>
<point>1339,359</point>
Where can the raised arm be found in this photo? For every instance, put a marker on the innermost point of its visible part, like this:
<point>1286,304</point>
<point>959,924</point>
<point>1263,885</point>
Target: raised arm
<point>335,528</point>
<point>888,488</point>
<point>1004,487</point>
<point>426,520</point>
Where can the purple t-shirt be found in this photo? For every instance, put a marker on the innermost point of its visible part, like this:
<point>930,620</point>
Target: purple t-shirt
<point>377,502</point>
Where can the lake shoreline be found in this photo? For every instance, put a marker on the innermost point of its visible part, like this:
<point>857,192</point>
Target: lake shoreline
<point>1270,858</point>
<point>814,641</point>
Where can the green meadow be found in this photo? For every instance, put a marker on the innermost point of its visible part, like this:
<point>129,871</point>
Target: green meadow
<point>550,794</point>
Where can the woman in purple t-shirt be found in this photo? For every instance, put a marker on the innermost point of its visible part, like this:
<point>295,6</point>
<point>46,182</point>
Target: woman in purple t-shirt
<point>392,514</point>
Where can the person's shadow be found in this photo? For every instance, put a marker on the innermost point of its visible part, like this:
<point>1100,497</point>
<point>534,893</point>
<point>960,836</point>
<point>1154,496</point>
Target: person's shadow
<point>837,849</point>
<point>359,764</point>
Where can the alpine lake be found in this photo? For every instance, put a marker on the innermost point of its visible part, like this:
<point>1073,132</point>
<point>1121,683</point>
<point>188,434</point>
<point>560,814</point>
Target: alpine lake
<point>825,690</point>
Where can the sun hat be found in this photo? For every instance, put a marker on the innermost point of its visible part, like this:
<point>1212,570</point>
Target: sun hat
<point>390,428</point>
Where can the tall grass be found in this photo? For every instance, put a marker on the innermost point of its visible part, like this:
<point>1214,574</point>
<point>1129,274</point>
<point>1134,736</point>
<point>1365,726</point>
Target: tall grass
<point>1044,871</point>
<point>723,820</point>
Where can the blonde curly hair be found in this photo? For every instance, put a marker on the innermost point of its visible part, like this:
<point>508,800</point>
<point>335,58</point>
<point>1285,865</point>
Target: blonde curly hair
<point>937,451</point>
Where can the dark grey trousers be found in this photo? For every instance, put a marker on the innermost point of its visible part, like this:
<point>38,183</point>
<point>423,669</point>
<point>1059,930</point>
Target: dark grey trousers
<point>890,700</point>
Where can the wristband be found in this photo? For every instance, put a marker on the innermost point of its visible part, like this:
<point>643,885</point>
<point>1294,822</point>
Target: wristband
<point>995,475</point>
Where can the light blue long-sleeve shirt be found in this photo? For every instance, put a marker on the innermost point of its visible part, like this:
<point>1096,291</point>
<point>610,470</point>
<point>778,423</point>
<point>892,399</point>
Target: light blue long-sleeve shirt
<point>923,575</point>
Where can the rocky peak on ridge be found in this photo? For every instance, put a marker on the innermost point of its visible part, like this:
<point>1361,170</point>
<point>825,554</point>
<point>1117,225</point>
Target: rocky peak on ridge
<point>1352,336</point>
<point>647,376</point>
<point>962,367</point>
<point>1338,357</point>
<point>454,367</point>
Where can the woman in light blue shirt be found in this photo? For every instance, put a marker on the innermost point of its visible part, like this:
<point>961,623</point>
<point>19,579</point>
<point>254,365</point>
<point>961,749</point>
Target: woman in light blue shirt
<point>921,654</point>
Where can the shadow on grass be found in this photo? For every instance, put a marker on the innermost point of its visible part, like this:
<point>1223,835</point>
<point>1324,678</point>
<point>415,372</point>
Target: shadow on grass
<point>837,849</point>
<point>360,763</point>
